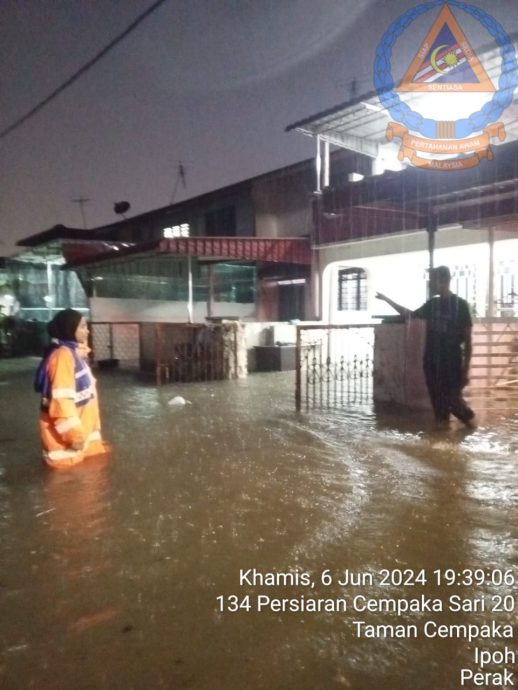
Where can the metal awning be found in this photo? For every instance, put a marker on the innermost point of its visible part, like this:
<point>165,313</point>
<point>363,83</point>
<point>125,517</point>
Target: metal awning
<point>289,250</point>
<point>360,125</point>
<point>405,197</point>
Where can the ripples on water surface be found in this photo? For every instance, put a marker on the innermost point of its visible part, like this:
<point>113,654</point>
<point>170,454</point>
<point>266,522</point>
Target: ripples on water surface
<point>109,573</point>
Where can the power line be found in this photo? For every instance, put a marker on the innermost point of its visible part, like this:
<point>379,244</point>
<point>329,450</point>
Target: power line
<point>81,70</point>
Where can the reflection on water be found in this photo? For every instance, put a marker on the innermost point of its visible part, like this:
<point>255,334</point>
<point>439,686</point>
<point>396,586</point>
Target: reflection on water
<point>110,573</point>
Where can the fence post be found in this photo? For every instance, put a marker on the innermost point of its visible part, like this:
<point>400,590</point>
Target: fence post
<point>110,340</point>
<point>140,344</point>
<point>236,357</point>
<point>158,369</point>
<point>298,360</point>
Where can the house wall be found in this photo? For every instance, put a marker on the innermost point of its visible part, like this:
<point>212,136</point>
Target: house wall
<point>151,227</point>
<point>116,310</point>
<point>398,267</point>
<point>398,375</point>
<point>283,199</point>
<point>282,203</point>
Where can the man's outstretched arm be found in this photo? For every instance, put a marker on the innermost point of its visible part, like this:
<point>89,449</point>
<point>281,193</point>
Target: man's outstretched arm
<point>407,313</point>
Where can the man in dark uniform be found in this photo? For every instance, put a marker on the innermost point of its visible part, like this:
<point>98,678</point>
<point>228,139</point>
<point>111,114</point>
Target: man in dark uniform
<point>447,351</point>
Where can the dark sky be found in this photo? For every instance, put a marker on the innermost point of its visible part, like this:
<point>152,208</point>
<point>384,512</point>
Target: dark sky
<point>212,83</point>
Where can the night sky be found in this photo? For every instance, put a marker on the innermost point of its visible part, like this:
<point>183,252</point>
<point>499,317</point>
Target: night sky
<point>211,83</point>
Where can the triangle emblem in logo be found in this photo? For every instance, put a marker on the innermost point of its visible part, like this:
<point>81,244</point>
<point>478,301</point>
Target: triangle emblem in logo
<point>446,61</point>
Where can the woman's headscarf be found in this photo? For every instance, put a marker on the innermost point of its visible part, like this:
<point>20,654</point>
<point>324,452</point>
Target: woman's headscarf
<point>62,331</point>
<point>64,325</point>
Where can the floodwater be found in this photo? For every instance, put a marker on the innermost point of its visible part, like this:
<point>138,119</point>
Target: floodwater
<point>121,574</point>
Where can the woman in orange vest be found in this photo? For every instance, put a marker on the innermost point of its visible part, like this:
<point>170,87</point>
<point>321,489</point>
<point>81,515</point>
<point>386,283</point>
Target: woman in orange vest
<point>69,418</point>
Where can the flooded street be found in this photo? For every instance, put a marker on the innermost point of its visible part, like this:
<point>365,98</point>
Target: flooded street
<point>124,573</point>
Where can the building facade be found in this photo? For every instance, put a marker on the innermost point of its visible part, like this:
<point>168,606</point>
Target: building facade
<point>242,251</point>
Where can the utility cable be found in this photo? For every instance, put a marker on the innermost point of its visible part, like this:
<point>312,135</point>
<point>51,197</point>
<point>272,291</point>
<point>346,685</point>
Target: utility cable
<point>81,70</point>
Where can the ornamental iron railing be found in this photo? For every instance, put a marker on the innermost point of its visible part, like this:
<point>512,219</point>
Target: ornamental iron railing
<point>334,365</point>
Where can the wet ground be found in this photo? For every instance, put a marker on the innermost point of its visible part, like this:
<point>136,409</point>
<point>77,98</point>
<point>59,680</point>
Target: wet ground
<point>122,574</point>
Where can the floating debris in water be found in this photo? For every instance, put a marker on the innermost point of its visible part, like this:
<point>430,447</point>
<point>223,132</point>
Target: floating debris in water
<point>17,648</point>
<point>179,401</point>
<point>45,512</point>
<point>89,621</point>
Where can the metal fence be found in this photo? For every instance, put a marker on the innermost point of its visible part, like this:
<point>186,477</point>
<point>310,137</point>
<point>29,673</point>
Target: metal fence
<point>334,365</point>
<point>494,364</point>
<point>197,352</point>
<point>176,352</point>
<point>116,343</point>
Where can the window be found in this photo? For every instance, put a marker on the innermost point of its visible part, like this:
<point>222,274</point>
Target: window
<point>352,289</point>
<point>231,283</point>
<point>221,222</point>
<point>182,230</point>
<point>505,287</point>
<point>464,282</point>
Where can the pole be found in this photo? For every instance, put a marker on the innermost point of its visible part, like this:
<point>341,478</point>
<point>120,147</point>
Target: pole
<point>316,285</point>
<point>210,290</point>
<point>50,289</point>
<point>297,372</point>
<point>82,201</point>
<point>318,166</point>
<point>431,229</point>
<point>326,164</point>
<point>189,300</point>
<point>490,308</point>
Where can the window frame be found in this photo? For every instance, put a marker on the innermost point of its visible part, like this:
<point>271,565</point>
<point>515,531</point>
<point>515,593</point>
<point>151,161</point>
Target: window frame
<point>356,279</point>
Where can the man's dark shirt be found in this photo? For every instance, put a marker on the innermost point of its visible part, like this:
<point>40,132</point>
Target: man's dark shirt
<point>446,321</point>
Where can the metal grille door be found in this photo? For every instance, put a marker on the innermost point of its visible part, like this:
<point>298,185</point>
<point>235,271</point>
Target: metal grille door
<point>333,365</point>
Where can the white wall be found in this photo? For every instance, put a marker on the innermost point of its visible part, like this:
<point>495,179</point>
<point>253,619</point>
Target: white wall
<point>401,276</point>
<point>269,332</point>
<point>114,309</point>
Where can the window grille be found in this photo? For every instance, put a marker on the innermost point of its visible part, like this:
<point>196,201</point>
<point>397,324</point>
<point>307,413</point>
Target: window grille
<point>464,282</point>
<point>352,289</point>
<point>506,285</point>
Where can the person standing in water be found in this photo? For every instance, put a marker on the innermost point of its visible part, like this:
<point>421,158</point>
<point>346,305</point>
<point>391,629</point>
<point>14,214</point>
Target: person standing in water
<point>69,420</point>
<point>447,353</point>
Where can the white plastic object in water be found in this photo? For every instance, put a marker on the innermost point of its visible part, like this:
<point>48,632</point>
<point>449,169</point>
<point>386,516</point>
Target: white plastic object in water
<point>178,401</point>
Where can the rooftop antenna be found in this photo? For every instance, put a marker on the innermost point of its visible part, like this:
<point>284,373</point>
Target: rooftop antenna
<point>180,177</point>
<point>82,201</point>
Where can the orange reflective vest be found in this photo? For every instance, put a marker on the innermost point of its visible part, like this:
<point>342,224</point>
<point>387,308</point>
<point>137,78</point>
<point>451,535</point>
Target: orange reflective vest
<point>70,412</point>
